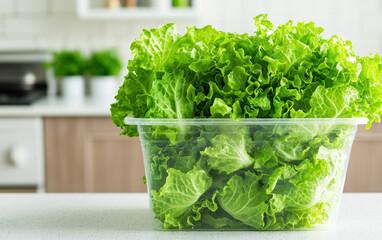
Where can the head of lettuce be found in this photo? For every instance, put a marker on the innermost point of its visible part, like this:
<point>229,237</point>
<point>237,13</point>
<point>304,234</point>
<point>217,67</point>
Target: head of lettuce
<point>218,179</point>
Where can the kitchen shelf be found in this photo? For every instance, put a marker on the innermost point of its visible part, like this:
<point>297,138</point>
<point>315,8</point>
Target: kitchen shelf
<point>85,11</point>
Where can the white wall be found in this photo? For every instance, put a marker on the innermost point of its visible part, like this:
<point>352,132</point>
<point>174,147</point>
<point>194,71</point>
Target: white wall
<point>53,24</point>
<point>357,20</point>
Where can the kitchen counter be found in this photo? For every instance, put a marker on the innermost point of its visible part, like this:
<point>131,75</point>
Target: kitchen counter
<point>126,216</point>
<point>52,107</point>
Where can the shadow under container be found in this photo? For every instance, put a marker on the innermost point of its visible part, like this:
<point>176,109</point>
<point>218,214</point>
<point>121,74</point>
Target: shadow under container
<point>249,174</point>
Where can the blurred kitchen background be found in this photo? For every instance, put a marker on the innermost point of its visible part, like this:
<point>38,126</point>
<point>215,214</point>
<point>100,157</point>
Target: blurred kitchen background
<point>53,140</point>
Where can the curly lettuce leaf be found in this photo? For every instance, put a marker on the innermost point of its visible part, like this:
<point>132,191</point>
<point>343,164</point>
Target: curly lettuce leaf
<point>173,203</point>
<point>245,199</point>
<point>308,183</point>
<point>172,97</point>
<point>228,153</point>
<point>150,52</point>
<point>332,103</point>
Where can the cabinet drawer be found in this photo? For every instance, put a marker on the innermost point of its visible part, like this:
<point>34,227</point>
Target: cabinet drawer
<point>21,152</point>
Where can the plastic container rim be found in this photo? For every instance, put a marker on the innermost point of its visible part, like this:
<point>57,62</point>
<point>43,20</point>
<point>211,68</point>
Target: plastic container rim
<point>244,121</point>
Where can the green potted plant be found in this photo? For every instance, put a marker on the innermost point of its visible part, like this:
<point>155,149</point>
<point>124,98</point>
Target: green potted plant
<point>180,3</point>
<point>68,67</point>
<point>103,67</point>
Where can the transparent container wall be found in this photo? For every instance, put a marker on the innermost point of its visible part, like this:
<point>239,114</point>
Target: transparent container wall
<point>243,175</point>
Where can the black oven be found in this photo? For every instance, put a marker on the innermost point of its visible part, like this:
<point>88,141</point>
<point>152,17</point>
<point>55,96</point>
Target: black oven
<point>23,77</point>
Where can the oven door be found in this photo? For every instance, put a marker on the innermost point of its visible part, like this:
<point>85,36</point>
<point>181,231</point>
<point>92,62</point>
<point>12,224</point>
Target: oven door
<point>21,153</point>
<point>23,78</point>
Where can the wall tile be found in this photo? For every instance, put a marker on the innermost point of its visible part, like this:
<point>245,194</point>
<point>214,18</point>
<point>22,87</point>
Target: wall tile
<point>302,10</point>
<point>210,14</point>
<point>14,25</point>
<point>7,6</point>
<point>62,6</point>
<point>371,25</point>
<point>231,12</point>
<point>50,25</point>
<point>116,27</point>
<point>77,41</point>
<point>95,41</point>
<point>366,45</point>
<point>51,42</point>
<point>31,6</point>
<point>363,6</point>
<point>1,26</point>
<point>17,42</point>
<point>350,24</point>
<point>256,7</point>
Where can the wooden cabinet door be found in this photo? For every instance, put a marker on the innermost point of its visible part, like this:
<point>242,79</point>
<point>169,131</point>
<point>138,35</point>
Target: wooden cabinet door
<point>88,155</point>
<point>365,165</point>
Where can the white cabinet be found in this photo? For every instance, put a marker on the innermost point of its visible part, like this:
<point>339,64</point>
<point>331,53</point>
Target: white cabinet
<point>21,152</point>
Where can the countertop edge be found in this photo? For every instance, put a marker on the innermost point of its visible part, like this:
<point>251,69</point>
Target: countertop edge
<point>57,107</point>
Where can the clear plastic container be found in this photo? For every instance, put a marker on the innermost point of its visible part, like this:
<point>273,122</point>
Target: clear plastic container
<point>250,174</point>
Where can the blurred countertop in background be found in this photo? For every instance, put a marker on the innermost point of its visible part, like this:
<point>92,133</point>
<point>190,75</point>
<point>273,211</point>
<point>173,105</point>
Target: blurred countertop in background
<point>54,106</point>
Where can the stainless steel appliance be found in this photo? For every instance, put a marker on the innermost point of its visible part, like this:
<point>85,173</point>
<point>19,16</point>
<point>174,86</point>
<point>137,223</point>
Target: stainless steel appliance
<point>23,78</point>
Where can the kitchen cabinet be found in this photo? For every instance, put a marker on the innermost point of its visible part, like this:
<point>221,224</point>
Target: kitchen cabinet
<point>365,166</point>
<point>87,154</point>
<point>21,153</point>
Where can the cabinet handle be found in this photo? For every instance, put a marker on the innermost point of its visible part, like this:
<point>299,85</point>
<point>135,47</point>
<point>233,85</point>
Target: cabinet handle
<point>18,156</point>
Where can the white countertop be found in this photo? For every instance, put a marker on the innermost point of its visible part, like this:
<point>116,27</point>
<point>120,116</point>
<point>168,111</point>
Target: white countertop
<point>51,107</point>
<point>126,216</point>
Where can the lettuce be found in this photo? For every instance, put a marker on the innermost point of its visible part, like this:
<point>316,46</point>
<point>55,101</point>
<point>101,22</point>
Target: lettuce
<point>228,153</point>
<point>177,196</point>
<point>245,199</point>
<point>246,177</point>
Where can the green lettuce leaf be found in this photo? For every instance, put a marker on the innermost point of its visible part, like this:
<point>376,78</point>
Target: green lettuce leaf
<point>245,199</point>
<point>228,153</point>
<point>173,203</point>
<point>149,57</point>
<point>332,103</point>
<point>308,183</point>
<point>172,97</point>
